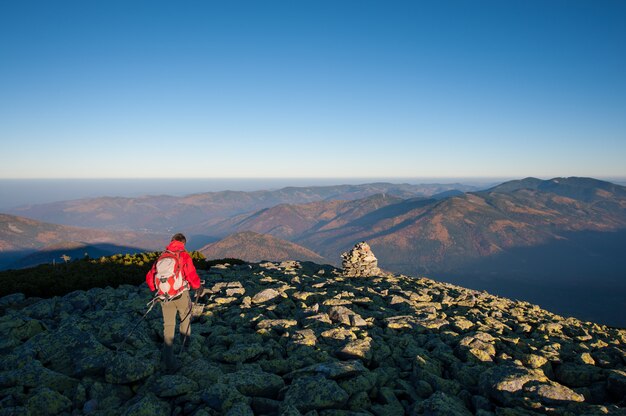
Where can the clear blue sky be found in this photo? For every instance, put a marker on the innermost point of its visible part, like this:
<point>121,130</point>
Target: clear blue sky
<point>123,89</point>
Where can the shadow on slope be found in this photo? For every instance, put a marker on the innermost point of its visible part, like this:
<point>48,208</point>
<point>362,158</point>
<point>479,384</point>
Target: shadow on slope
<point>52,254</point>
<point>583,275</point>
<point>391,211</point>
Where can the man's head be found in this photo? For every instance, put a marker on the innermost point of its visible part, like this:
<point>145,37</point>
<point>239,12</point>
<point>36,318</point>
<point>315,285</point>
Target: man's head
<point>179,237</point>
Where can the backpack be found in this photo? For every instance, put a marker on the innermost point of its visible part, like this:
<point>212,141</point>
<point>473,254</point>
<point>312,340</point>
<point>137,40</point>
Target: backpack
<point>168,278</point>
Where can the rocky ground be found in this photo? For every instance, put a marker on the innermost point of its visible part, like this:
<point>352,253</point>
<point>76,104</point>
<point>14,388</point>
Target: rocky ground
<point>290,338</point>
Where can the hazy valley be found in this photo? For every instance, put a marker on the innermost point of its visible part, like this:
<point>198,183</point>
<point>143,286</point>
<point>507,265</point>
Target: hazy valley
<point>555,242</point>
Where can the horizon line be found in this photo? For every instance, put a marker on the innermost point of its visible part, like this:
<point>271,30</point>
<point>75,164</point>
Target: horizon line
<point>326,178</point>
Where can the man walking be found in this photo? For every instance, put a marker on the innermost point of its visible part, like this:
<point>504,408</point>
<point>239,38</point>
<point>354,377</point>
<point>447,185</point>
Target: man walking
<point>171,276</point>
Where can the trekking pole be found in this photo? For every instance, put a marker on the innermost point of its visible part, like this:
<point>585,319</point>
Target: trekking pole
<point>189,314</point>
<point>151,305</point>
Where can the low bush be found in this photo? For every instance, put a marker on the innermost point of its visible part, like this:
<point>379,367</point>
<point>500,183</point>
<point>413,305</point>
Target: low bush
<point>47,280</point>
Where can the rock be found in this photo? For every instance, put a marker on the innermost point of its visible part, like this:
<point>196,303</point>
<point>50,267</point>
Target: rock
<point>315,393</point>
<point>241,353</point>
<point>11,300</point>
<point>552,393</point>
<point>72,351</point>
<point>281,325</point>
<point>202,372</point>
<point>534,360</point>
<point>333,369</point>
<point>616,384</point>
<point>222,397</point>
<point>18,329</point>
<point>149,405</point>
<point>304,337</point>
<point>326,345</point>
<point>173,385</point>
<point>240,409</point>
<point>504,383</point>
<point>263,406</point>
<point>343,315</point>
<point>43,309</point>
<point>265,296</point>
<point>442,404</point>
<point>255,383</point>
<point>33,374</point>
<point>577,375</point>
<point>360,349</point>
<point>125,369</point>
<point>360,262</point>
<point>45,401</point>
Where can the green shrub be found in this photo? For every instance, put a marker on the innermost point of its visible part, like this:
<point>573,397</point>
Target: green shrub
<point>47,280</point>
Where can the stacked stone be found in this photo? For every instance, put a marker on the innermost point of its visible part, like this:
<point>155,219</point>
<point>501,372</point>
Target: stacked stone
<point>360,262</point>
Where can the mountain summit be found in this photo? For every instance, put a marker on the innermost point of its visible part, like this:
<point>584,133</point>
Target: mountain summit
<point>300,338</point>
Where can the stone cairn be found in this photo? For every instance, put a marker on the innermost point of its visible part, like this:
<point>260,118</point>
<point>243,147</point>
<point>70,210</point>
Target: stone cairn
<point>360,262</point>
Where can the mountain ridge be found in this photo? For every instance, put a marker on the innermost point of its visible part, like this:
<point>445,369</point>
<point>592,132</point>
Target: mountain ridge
<point>165,213</point>
<point>255,247</point>
<point>24,238</point>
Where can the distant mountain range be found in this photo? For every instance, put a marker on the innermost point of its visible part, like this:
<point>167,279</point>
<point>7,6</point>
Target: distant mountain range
<point>165,213</point>
<point>26,242</point>
<point>549,241</point>
<point>441,235</point>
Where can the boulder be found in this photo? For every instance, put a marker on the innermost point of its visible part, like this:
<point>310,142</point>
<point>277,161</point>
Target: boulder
<point>149,405</point>
<point>45,401</point>
<point>255,383</point>
<point>505,383</point>
<point>265,295</point>
<point>123,369</point>
<point>241,353</point>
<point>442,404</point>
<point>616,384</point>
<point>222,397</point>
<point>315,393</point>
<point>357,349</point>
<point>168,386</point>
<point>577,375</point>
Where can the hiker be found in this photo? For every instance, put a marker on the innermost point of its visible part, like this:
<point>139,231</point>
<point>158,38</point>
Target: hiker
<point>171,276</point>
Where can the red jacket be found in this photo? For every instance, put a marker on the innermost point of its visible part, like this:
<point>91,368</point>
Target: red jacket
<point>186,266</point>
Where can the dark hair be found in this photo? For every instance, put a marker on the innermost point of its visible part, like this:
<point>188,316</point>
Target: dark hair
<point>179,237</point>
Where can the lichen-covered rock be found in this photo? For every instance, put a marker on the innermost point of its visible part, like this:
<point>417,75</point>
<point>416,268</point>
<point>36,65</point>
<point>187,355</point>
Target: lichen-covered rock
<point>577,375</point>
<point>241,353</point>
<point>552,393</point>
<point>265,295</point>
<point>255,383</point>
<point>45,401</point>
<point>173,385</point>
<point>304,337</point>
<point>503,383</point>
<point>71,351</point>
<point>315,393</point>
<point>11,300</point>
<point>360,348</point>
<point>123,369</point>
<point>33,374</point>
<point>317,343</point>
<point>442,404</point>
<point>333,369</point>
<point>221,397</point>
<point>202,372</point>
<point>149,405</point>
<point>616,384</point>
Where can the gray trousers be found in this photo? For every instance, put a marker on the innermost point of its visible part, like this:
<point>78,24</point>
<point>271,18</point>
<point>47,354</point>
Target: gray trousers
<point>182,306</point>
